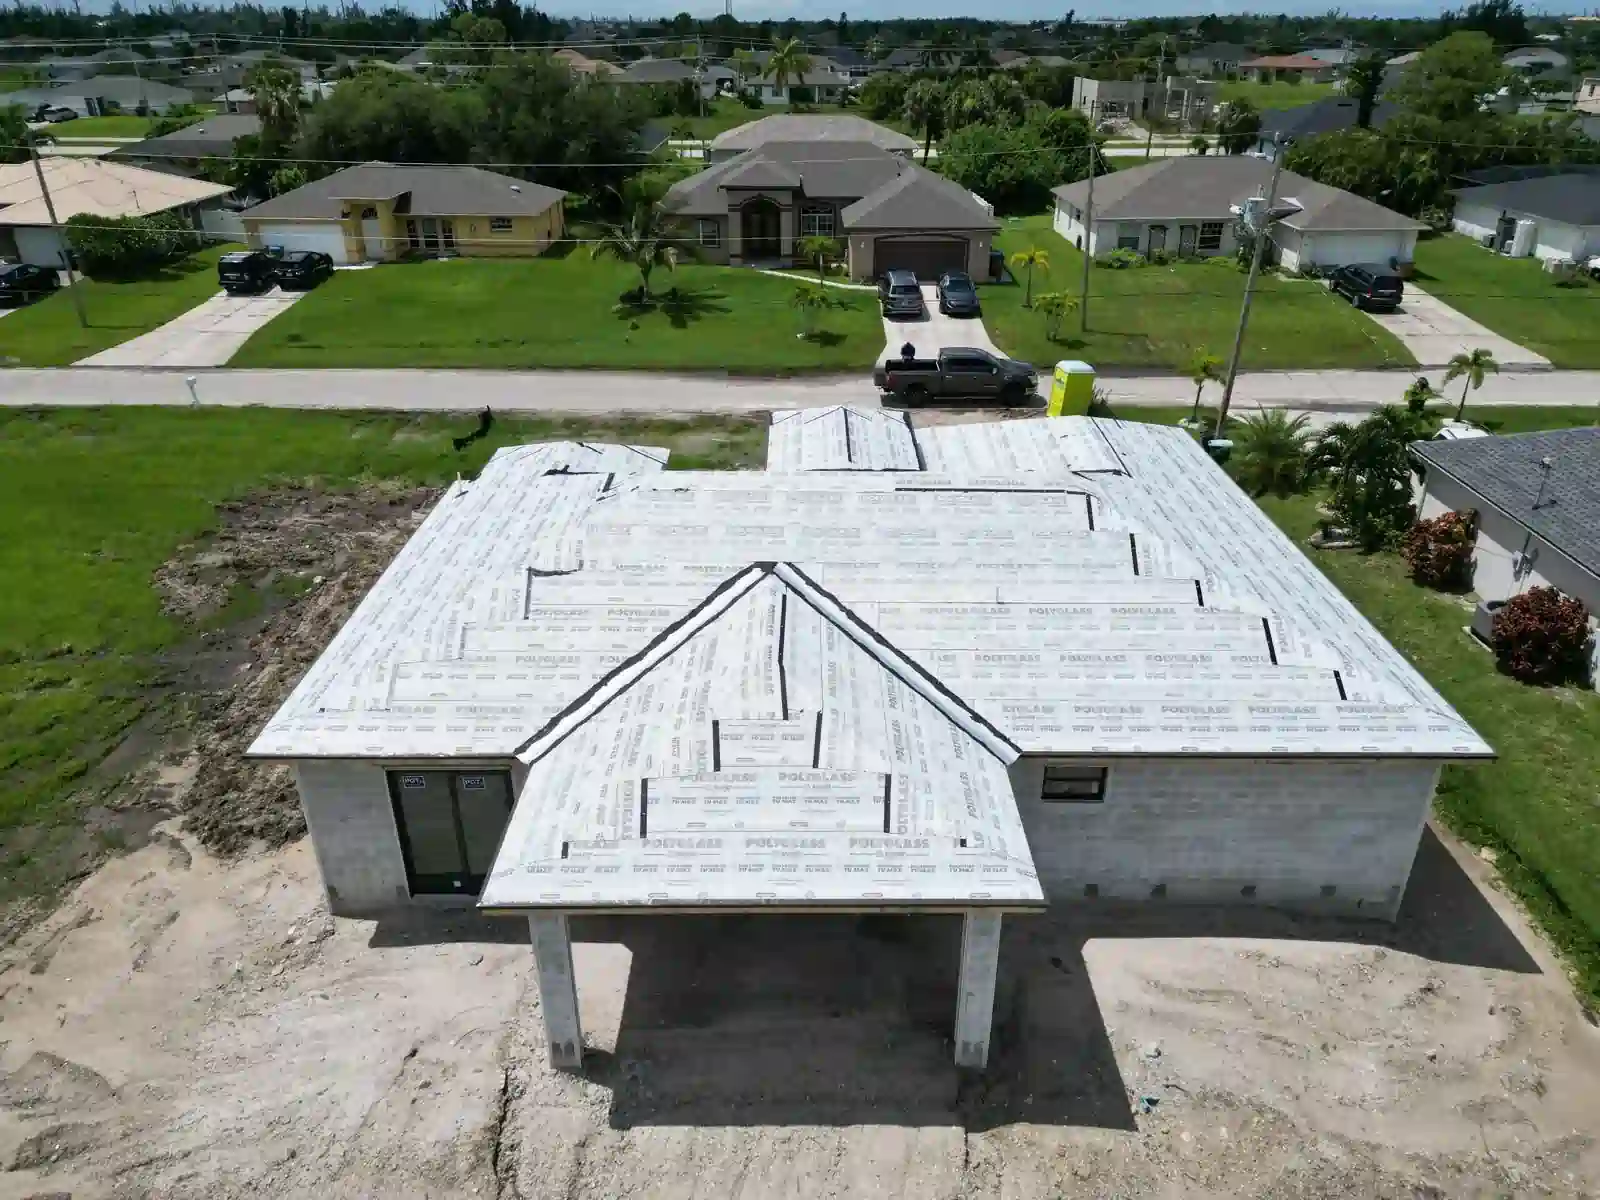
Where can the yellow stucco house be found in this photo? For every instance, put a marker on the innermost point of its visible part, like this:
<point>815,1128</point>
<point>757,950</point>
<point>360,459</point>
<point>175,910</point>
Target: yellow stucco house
<point>379,212</point>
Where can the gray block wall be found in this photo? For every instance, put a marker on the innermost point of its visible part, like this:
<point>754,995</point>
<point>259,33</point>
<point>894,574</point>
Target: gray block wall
<point>1234,831</point>
<point>353,832</point>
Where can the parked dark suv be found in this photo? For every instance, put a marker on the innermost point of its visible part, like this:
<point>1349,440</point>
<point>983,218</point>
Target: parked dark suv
<point>302,269</point>
<point>900,294</point>
<point>1369,286</point>
<point>957,296</point>
<point>245,272</point>
<point>23,283</point>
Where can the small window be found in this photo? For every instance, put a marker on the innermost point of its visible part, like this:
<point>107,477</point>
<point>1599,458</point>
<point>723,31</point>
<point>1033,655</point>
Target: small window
<point>1073,783</point>
<point>1131,242</point>
<point>1211,235</point>
<point>817,223</point>
<point>499,224</point>
<point>369,213</point>
<point>710,234</point>
<point>412,240</point>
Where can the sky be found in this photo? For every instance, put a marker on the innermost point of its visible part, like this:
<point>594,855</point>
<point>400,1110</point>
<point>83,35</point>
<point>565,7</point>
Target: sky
<point>1004,10</point>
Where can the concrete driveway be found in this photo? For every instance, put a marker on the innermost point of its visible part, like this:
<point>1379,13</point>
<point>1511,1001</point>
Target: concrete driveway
<point>933,331</point>
<point>205,336</point>
<point>1435,333</point>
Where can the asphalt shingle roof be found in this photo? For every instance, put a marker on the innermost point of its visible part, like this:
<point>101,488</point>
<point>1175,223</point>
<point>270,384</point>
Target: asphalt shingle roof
<point>1203,187</point>
<point>919,199</point>
<point>811,127</point>
<point>433,191</point>
<point>1322,116</point>
<point>832,170</point>
<point>213,136</point>
<point>1506,472</point>
<point>1573,198</point>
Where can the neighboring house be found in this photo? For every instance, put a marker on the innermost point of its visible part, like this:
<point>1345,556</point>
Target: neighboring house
<point>1321,116</point>
<point>1036,60</point>
<point>380,212</point>
<point>582,64</point>
<point>921,58</point>
<point>845,60</point>
<point>751,209</point>
<point>670,72</point>
<point>1548,216</point>
<point>1338,57</point>
<point>808,127</point>
<point>69,69</point>
<point>102,95</point>
<point>1587,98</point>
<point>1395,69</point>
<point>93,186</point>
<point>961,668</point>
<point>1270,67</point>
<point>182,152</point>
<point>242,100</point>
<point>1537,496</point>
<point>1184,206</point>
<point>818,85</point>
<point>1181,98</point>
<point>1212,60</point>
<point>1535,60</point>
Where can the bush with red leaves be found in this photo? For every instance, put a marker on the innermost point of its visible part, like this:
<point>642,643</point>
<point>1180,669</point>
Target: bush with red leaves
<point>1542,637</point>
<point>1439,552</point>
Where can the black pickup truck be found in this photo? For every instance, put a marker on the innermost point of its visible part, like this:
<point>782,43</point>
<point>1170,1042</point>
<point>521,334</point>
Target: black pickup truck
<point>958,371</point>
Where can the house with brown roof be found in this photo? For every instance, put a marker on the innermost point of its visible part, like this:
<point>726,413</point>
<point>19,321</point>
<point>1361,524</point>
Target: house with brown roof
<point>1270,67</point>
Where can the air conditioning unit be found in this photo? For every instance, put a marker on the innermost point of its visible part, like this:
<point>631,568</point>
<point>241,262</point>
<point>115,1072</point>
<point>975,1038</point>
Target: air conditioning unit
<point>1483,620</point>
<point>1487,241</point>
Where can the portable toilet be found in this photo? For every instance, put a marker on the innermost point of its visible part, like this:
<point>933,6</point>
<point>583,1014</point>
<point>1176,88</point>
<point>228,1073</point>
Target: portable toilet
<point>1071,389</point>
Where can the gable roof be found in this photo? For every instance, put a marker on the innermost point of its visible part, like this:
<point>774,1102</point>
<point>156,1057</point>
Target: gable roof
<point>1322,116</point>
<point>97,187</point>
<point>811,127</point>
<point>1572,197</point>
<point>919,199</point>
<point>1506,472</point>
<point>1286,62</point>
<point>656,70</point>
<point>835,170</point>
<point>1204,186</point>
<point>127,90</point>
<point>214,135</point>
<point>431,191</point>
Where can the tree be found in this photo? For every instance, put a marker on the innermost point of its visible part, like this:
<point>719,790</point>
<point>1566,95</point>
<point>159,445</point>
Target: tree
<point>789,63</point>
<point>641,241</point>
<point>277,96</point>
<point>15,136</point>
<point>819,251</point>
<point>1014,167</point>
<point>473,40</point>
<point>1200,144</point>
<point>811,300</point>
<point>124,247</point>
<point>1027,260</point>
<point>1450,79</point>
<point>1055,306</point>
<point>883,95</point>
<point>1204,368</point>
<point>1369,471</point>
<point>286,179</point>
<point>1472,368</point>
<point>388,116</point>
<point>1238,127</point>
<point>745,65</point>
<point>1363,81</point>
<point>1270,450</point>
<point>1417,396</point>
<point>924,105</point>
<point>1502,20</point>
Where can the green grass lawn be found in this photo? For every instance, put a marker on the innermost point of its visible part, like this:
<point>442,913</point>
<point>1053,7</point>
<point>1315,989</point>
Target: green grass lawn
<point>1515,298</point>
<point>1159,316</point>
<point>47,334</point>
<point>103,127</point>
<point>92,501</point>
<point>1276,95</point>
<point>560,312</point>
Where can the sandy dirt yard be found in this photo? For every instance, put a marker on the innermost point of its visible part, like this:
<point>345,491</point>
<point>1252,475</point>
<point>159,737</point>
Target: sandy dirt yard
<point>189,1025</point>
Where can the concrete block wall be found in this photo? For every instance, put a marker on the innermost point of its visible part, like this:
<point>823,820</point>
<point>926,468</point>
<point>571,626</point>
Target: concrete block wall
<point>353,831</point>
<point>1234,831</point>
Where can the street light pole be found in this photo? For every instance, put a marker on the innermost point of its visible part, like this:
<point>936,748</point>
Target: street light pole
<point>55,226</point>
<point>1250,284</point>
<point>1088,242</point>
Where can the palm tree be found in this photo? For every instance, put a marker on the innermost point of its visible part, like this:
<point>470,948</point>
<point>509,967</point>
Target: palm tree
<point>1204,368</point>
<point>1363,80</point>
<point>1029,259</point>
<point>276,91</point>
<point>642,242</point>
<point>819,251</point>
<point>1055,306</point>
<point>1270,452</point>
<point>788,62</point>
<point>924,104</point>
<point>1471,367</point>
<point>1369,473</point>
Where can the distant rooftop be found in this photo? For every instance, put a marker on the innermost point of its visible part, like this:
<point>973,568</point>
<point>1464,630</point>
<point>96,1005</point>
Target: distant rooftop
<point>811,127</point>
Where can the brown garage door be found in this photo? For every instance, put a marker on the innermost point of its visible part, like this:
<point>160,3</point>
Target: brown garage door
<point>928,257</point>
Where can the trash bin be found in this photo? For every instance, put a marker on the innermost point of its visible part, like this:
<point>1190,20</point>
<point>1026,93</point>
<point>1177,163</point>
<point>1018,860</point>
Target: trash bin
<point>1071,389</point>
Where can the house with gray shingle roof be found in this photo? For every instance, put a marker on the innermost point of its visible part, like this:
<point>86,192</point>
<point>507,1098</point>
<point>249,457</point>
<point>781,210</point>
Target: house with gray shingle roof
<point>891,213</point>
<point>808,127</point>
<point>1185,206</point>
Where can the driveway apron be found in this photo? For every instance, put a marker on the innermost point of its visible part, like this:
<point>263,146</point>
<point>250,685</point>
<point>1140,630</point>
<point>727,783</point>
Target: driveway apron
<point>205,336</point>
<point>934,331</point>
<point>1435,333</point>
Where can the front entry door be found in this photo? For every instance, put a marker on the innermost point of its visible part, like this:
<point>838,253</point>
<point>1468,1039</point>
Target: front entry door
<point>450,824</point>
<point>762,230</point>
<point>1187,235</point>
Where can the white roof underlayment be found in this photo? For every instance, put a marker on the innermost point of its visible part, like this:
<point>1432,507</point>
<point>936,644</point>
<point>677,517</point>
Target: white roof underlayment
<point>803,686</point>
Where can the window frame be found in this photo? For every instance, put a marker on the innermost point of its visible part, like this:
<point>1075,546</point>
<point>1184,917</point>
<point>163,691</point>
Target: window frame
<point>1076,772</point>
<point>501,225</point>
<point>704,226</point>
<point>1202,237</point>
<point>814,212</point>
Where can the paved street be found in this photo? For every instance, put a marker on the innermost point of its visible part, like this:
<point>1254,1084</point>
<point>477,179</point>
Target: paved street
<point>612,392</point>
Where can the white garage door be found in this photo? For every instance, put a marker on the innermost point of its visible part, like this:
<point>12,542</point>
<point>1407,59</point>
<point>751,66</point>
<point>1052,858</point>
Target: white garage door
<point>306,236</point>
<point>1337,249</point>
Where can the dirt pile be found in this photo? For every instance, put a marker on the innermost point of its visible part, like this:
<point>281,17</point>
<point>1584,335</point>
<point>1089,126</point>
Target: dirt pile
<point>274,583</point>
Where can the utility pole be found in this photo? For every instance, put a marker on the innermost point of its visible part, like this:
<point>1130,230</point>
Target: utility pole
<point>55,225</point>
<point>1088,243</point>
<point>1261,235</point>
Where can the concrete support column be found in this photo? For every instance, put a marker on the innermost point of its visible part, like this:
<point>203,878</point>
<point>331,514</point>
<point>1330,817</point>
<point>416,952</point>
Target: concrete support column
<point>980,963</point>
<point>558,988</point>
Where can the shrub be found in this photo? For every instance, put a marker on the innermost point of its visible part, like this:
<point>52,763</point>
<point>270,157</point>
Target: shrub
<point>1436,218</point>
<point>1160,258</point>
<point>1542,637</point>
<point>119,246</point>
<point>1311,271</point>
<point>1122,258</point>
<point>1439,552</point>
